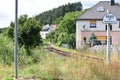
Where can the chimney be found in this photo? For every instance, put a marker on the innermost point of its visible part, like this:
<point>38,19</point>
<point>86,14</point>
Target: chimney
<point>112,2</point>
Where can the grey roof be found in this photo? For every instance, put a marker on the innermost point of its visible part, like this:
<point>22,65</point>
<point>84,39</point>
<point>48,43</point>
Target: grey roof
<point>46,27</point>
<point>92,13</point>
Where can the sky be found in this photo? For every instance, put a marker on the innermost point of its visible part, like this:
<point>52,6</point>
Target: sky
<point>34,7</point>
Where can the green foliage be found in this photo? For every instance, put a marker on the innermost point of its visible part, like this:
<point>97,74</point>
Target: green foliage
<point>52,66</point>
<point>6,50</point>
<point>10,30</point>
<point>8,79</point>
<point>55,15</point>
<point>28,32</point>
<point>117,4</point>
<point>2,30</point>
<point>92,39</point>
<point>57,21</point>
<point>7,53</point>
<point>65,34</point>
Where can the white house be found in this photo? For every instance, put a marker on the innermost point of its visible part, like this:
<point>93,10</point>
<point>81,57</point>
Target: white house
<point>92,21</point>
<point>46,30</point>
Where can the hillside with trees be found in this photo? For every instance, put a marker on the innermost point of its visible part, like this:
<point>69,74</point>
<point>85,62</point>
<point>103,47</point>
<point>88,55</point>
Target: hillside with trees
<point>56,15</point>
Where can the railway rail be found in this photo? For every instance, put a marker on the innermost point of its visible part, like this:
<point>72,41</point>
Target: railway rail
<point>67,54</point>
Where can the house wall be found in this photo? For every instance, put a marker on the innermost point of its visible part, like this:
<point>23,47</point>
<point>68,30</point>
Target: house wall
<point>100,30</point>
<point>43,34</point>
<point>99,25</point>
<point>78,35</point>
<point>115,38</point>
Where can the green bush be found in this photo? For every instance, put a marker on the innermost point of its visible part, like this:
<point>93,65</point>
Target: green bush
<point>7,53</point>
<point>6,50</point>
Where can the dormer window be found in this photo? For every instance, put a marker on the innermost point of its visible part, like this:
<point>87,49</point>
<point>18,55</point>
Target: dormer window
<point>100,9</point>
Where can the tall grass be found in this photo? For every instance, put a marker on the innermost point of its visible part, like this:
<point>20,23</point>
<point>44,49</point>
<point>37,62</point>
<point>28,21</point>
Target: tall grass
<point>7,56</point>
<point>6,50</point>
<point>52,66</point>
<point>45,65</point>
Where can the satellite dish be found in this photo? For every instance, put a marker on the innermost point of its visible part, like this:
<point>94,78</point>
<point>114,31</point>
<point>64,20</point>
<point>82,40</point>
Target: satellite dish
<point>84,26</point>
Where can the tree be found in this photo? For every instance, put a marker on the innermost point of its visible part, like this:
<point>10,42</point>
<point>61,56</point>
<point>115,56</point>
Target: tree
<point>57,21</point>
<point>10,30</point>
<point>65,34</point>
<point>28,32</point>
<point>92,39</point>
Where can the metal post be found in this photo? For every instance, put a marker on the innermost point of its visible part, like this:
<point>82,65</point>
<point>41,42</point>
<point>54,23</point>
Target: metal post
<point>109,19</point>
<point>108,44</point>
<point>15,41</point>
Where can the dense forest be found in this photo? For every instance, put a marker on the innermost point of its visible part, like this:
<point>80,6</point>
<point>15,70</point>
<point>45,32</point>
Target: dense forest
<point>55,15</point>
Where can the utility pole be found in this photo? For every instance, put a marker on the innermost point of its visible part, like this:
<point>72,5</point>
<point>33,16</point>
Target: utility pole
<point>108,44</point>
<point>15,41</point>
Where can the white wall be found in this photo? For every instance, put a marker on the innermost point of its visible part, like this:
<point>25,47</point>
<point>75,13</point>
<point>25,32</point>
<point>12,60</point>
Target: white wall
<point>78,34</point>
<point>43,34</point>
<point>99,25</point>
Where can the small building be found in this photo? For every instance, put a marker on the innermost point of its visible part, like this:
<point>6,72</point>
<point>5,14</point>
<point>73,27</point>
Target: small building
<point>92,21</point>
<point>46,30</point>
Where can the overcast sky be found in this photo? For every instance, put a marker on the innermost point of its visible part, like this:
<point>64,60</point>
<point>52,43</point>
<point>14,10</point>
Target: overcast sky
<point>34,7</point>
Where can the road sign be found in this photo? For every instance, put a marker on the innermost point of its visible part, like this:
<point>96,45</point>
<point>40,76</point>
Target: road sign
<point>109,19</point>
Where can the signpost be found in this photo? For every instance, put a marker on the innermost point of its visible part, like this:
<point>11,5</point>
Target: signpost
<point>109,19</point>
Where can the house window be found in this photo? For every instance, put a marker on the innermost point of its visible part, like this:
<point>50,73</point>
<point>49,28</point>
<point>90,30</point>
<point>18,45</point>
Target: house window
<point>92,23</point>
<point>106,27</point>
<point>42,34</point>
<point>84,39</point>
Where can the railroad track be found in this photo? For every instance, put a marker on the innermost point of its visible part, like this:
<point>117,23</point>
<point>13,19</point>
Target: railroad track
<point>67,54</point>
<point>60,52</point>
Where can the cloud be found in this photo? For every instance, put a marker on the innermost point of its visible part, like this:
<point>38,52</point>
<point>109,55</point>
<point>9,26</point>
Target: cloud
<point>34,7</point>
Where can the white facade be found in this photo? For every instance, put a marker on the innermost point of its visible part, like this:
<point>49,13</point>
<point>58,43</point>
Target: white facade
<point>99,26</point>
<point>46,30</point>
<point>43,34</point>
